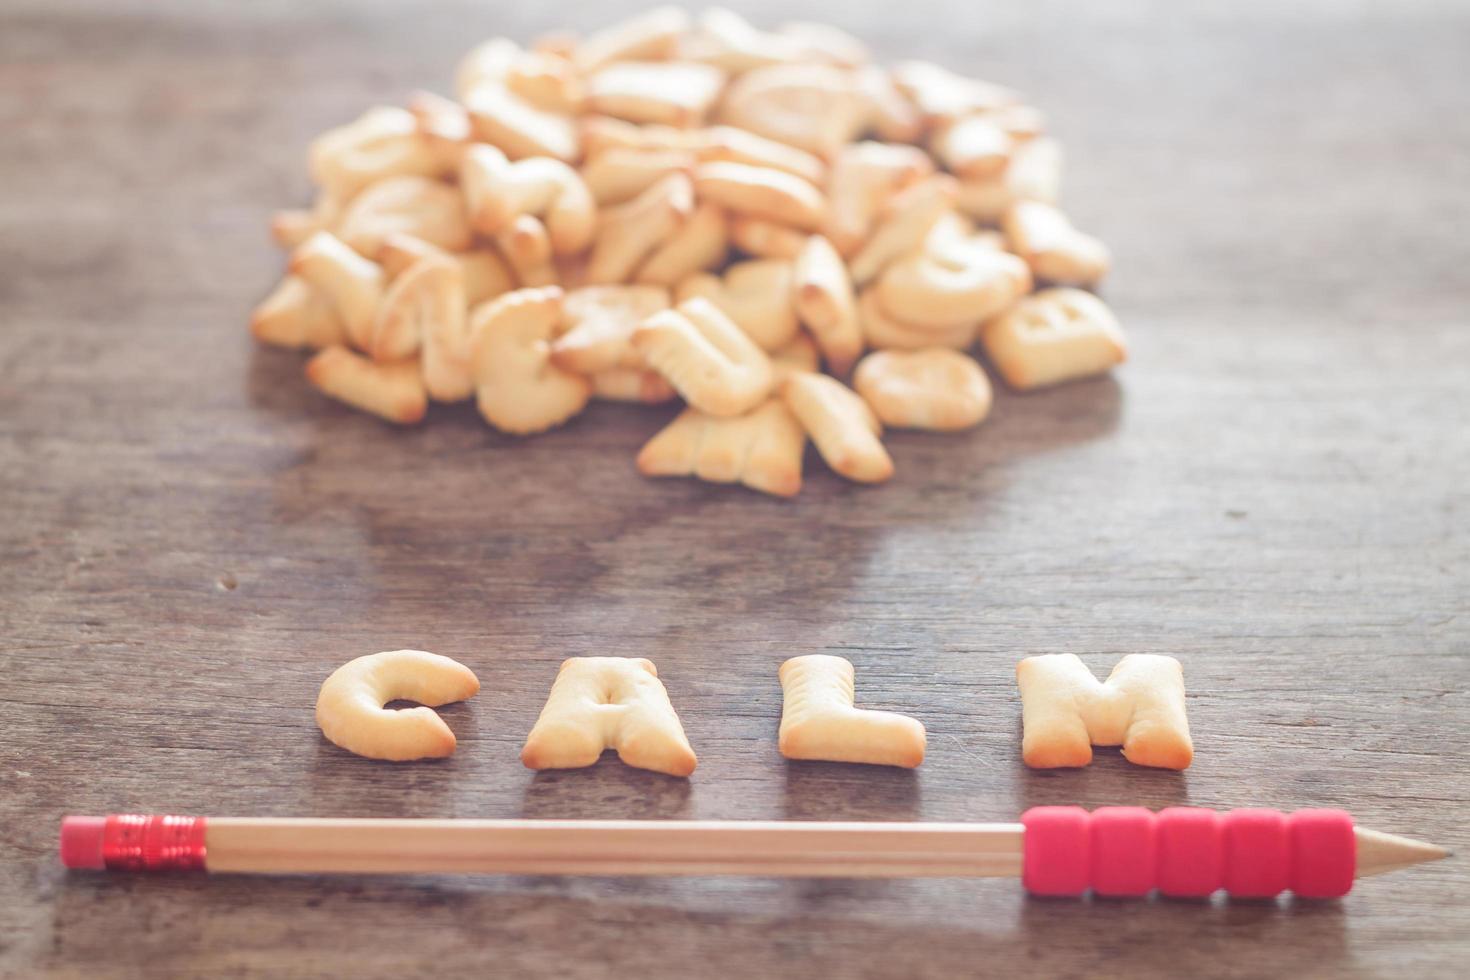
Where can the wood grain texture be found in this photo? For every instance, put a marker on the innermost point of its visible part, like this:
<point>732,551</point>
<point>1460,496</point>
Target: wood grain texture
<point>1274,490</point>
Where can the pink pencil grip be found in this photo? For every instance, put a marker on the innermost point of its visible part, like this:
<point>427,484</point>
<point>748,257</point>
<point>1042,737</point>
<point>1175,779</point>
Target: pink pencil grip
<point>1188,852</point>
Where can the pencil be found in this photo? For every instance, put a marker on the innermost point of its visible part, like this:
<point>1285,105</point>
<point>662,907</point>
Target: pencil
<point>1057,850</point>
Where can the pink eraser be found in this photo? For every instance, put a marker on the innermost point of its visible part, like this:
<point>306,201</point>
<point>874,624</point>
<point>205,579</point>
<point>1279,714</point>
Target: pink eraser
<point>81,842</point>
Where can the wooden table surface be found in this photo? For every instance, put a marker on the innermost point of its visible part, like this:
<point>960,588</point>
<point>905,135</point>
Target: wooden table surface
<point>1274,490</point>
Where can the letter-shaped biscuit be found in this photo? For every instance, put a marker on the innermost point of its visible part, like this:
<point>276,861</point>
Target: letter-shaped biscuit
<point>823,42</point>
<point>350,712</point>
<point>620,173</point>
<point>819,721</point>
<point>297,315</point>
<point>884,331</point>
<point>527,249</point>
<point>841,424</point>
<point>601,134</point>
<point>382,142</point>
<point>484,273</point>
<point>497,192</point>
<point>599,322</point>
<point>620,384</point>
<point>757,295</point>
<point>934,388</point>
<point>975,147</point>
<point>1056,251</point>
<point>418,206</point>
<point>816,108</point>
<point>706,357</point>
<point>824,301</point>
<point>443,122</point>
<point>425,306</point>
<point>1065,711</point>
<point>650,36</point>
<point>949,291</point>
<point>600,703</point>
<point>1053,336</point>
<point>726,39</point>
<point>548,81</point>
<point>1034,173</point>
<point>701,242</point>
<point>762,192</point>
<point>518,389</point>
<point>352,283</point>
<point>891,115</point>
<point>520,129</point>
<point>394,392</point>
<point>626,234</point>
<point>669,93</point>
<point>761,449</point>
<point>291,227</point>
<point>942,95</point>
<point>864,177</point>
<point>799,355</point>
<point>735,145</point>
<point>905,222</point>
<point>487,62</point>
<point>765,239</point>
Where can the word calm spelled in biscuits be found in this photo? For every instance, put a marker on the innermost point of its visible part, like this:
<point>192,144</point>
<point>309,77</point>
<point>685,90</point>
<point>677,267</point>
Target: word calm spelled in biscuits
<point>619,704</point>
<point>695,210</point>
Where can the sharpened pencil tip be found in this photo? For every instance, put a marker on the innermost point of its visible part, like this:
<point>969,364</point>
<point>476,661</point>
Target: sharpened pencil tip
<point>1379,853</point>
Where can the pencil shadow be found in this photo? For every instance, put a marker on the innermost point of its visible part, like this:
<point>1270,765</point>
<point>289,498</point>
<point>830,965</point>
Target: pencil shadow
<point>892,926</point>
<point>1316,925</point>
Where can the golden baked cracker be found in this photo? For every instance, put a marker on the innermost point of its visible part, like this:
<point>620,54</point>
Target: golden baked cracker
<point>707,358</point>
<point>934,388</point>
<point>601,703</point>
<point>297,315</point>
<point>353,284</point>
<point>761,449</point>
<point>700,242</point>
<point>394,392</point>
<point>757,295</point>
<point>1054,249</point>
<point>419,206</point>
<point>902,226</point>
<point>517,388</point>
<point>497,191</point>
<point>1065,711</point>
<point>842,426</point>
<point>824,301</point>
<point>350,706</point>
<point>670,93</point>
<point>761,192</point>
<point>819,720</point>
<point>629,233</point>
<point>1052,336</point>
<point>598,324</point>
<point>865,177</point>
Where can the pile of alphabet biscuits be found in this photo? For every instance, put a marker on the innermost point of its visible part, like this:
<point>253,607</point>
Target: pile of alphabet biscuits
<point>794,241</point>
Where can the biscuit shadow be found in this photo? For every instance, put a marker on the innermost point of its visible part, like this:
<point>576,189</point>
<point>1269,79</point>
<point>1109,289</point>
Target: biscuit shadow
<point>275,382</point>
<point>850,791</point>
<point>339,782</point>
<point>608,790</point>
<point>1110,780</point>
<point>1030,423</point>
